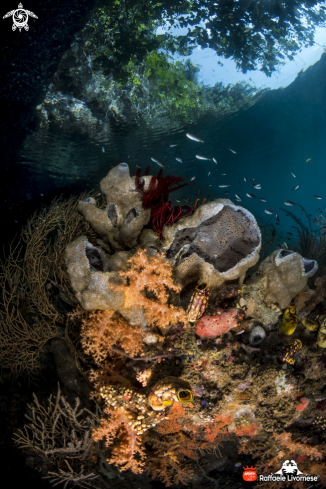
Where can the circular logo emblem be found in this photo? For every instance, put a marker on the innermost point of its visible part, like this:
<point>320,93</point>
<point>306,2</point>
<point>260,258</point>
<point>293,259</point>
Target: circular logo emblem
<point>249,474</point>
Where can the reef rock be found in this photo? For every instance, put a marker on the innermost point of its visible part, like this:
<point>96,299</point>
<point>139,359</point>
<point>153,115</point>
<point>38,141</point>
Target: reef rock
<point>219,242</point>
<point>120,223</point>
<point>279,278</point>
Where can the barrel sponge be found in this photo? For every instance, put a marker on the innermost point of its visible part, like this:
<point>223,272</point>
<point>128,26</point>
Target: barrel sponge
<point>219,242</point>
<point>92,285</point>
<point>122,220</point>
<point>284,274</point>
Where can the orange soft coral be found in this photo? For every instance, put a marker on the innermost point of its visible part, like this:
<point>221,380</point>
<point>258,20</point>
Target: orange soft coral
<point>122,440</point>
<point>148,282</point>
<point>103,329</point>
<point>313,452</point>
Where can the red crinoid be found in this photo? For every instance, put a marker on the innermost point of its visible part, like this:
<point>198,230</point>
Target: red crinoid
<point>156,199</point>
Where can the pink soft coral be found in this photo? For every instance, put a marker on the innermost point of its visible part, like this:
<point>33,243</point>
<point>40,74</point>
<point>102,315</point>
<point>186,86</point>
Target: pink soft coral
<point>123,441</point>
<point>148,283</point>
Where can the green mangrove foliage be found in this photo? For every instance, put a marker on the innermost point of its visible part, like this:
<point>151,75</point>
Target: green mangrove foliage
<point>258,35</point>
<point>174,90</point>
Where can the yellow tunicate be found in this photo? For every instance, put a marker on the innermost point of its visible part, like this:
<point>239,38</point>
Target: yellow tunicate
<point>310,324</point>
<point>289,321</point>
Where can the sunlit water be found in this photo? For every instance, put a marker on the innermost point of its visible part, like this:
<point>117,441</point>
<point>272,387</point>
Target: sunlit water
<point>268,141</point>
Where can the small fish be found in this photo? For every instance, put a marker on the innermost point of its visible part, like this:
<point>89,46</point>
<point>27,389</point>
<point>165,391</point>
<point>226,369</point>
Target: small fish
<point>103,150</point>
<point>245,179</point>
<point>42,195</point>
<point>277,218</point>
<point>269,211</point>
<point>295,188</point>
<point>97,195</point>
<point>208,173</point>
<point>258,186</point>
<point>138,166</point>
<point>238,198</point>
<point>173,145</point>
<point>194,138</point>
<point>309,159</point>
<point>290,234</point>
<point>157,162</point>
<point>179,159</point>
<point>317,197</point>
<point>232,151</point>
<point>288,202</point>
<point>226,192</point>
<point>215,160</point>
<point>223,174</point>
<point>251,196</point>
<point>178,200</point>
<point>252,181</point>
<point>293,174</point>
<point>200,157</point>
<point>192,179</point>
<point>225,185</point>
<point>263,200</point>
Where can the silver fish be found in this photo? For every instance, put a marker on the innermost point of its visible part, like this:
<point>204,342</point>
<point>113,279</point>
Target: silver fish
<point>288,202</point>
<point>238,198</point>
<point>293,174</point>
<point>268,211</point>
<point>295,188</point>
<point>317,197</point>
<point>103,150</point>
<point>208,173</point>
<point>277,218</point>
<point>223,174</point>
<point>245,179</point>
<point>251,196</point>
<point>200,157</point>
<point>173,145</point>
<point>225,185</point>
<point>258,186</point>
<point>194,138</point>
<point>178,200</point>
<point>192,179</point>
<point>263,200</point>
<point>157,162</point>
<point>232,151</point>
<point>215,160</point>
<point>179,159</point>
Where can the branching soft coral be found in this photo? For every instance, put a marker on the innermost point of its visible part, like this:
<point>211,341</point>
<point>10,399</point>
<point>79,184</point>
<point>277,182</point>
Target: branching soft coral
<point>122,440</point>
<point>103,329</point>
<point>285,439</point>
<point>151,278</point>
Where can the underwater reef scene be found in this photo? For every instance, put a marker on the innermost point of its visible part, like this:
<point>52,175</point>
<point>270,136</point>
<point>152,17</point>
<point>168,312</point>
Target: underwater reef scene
<point>183,350</point>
